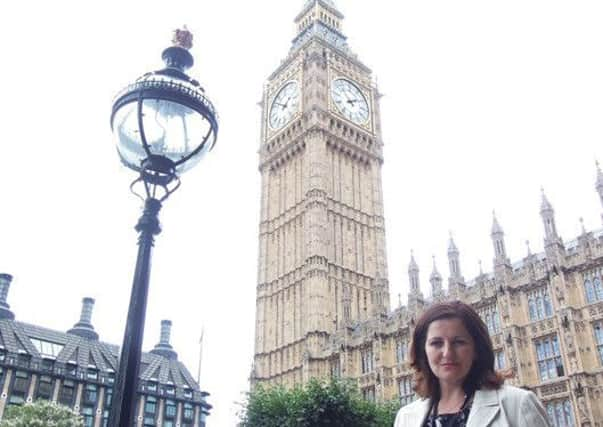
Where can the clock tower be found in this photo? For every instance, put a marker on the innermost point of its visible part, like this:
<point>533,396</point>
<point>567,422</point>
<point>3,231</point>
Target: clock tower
<point>322,262</point>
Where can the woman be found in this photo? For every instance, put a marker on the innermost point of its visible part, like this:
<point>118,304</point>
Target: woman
<point>452,356</point>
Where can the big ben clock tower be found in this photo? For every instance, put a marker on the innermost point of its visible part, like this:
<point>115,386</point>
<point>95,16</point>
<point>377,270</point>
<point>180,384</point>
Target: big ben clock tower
<point>322,261</point>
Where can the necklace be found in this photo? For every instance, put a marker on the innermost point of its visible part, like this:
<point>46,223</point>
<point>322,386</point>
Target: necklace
<point>449,420</point>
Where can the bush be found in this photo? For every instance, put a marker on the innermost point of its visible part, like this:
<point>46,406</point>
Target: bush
<point>336,403</point>
<point>40,414</point>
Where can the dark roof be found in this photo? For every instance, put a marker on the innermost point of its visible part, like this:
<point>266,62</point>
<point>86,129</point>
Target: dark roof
<point>15,337</point>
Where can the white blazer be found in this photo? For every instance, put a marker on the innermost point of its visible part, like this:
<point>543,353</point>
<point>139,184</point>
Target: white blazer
<point>506,407</point>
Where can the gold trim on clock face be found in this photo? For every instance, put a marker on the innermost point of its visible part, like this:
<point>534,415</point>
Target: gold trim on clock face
<point>350,101</point>
<point>284,105</point>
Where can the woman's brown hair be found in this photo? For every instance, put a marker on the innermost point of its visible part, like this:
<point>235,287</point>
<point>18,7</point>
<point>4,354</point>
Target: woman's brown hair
<point>481,375</point>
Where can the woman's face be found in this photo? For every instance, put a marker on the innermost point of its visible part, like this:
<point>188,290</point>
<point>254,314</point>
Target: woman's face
<point>450,351</point>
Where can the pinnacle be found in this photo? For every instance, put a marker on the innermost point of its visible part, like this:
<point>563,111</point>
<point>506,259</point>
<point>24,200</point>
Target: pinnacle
<point>496,228</point>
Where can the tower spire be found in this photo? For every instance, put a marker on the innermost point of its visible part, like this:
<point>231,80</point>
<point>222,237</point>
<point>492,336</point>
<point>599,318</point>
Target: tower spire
<point>320,19</point>
<point>599,184</point>
<point>436,281</point>
<point>548,218</point>
<point>456,281</point>
<point>498,240</point>
<point>413,274</point>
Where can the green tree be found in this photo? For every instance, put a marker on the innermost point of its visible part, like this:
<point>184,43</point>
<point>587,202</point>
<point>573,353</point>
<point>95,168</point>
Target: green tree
<point>336,403</point>
<point>40,413</point>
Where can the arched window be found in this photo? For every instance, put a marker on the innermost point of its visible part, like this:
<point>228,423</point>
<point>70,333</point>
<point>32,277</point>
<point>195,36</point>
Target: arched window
<point>590,291</point>
<point>532,308</point>
<point>598,288</point>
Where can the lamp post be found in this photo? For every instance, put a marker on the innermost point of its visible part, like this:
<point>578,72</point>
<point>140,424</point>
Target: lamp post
<point>164,124</point>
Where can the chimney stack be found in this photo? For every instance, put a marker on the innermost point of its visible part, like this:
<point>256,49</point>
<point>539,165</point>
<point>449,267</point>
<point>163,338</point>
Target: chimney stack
<point>164,348</point>
<point>5,281</point>
<point>84,327</point>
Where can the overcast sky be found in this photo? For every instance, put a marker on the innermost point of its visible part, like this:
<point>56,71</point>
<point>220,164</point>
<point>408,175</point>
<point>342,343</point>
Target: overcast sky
<point>484,103</point>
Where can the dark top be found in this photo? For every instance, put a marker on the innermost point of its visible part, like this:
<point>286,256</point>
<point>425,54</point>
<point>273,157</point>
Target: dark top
<point>458,419</point>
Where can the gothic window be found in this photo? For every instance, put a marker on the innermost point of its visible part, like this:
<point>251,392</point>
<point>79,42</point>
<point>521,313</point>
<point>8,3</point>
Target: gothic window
<point>599,339</point>
<point>45,384</point>
<point>368,393</point>
<point>499,360</point>
<point>550,364</point>
<point>491,318</point>
<point>593,289</point>
<point>560,413</point>
<point>366,356</point>
<point>401,350</point>
<point>539,304</point>
<point>334,368</point>
<point>405,390</point>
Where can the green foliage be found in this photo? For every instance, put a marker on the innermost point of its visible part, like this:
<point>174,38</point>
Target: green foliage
<point>40,414</point>
<point>318,404</point>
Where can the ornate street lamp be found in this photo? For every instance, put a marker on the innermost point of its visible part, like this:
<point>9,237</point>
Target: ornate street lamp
<point>164,124</point>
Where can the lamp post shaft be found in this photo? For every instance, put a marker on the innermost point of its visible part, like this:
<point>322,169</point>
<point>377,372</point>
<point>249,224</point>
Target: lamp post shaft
<point>126,384</point>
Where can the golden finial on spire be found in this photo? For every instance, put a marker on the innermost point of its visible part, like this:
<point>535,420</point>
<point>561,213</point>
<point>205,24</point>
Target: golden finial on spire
<point>183,38</point>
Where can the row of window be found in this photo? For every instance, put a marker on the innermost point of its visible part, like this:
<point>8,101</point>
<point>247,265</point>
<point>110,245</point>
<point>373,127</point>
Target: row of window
<point>90,395</point>
<point>548,355</point>
<point>169,413</point>
<point>560,413</point>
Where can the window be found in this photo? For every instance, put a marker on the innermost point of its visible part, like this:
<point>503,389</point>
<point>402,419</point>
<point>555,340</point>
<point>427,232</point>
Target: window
<point>550,364</point>
<point>67,393</point>
<point>369,394</point>
<point>188,412</point>
<point>405,391</point>
<point>593,289</point>
<point>150,409</point>
<point>88,416</point>
<point>499,360</point>
<point>170,409</point>
<point>599,339</point>
<point>108,397</point>
<point>45,387</point>
<point>47,348</point>
<point>90,394</point>
<point>539,304</point>
<point>106,418</point>
<point>151,386</point>
<point>168,423</point>
<point>560,413</point>
<point>334,368</point>
<point>92,374</point>
<point>366,356</point>
<point>20,388</point>
<point>170,390</point>
<point>491,318</point>
<point>71,369</point>
<point>401,350</point>
<point>47,365</point>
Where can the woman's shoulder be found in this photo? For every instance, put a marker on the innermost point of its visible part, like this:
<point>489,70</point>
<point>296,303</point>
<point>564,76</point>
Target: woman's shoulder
<point>509,391</point>
<point>412,412</point>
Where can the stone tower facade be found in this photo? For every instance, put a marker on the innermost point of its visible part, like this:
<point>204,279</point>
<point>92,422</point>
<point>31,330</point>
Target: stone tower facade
<point>322,260</point>
<point>322,294</point>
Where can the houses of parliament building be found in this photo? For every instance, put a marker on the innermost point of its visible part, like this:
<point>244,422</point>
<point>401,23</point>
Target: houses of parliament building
<point>323,306</point>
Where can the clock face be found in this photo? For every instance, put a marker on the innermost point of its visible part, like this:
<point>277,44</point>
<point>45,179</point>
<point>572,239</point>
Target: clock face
<point>284,105</point>
<point>350,101</point>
